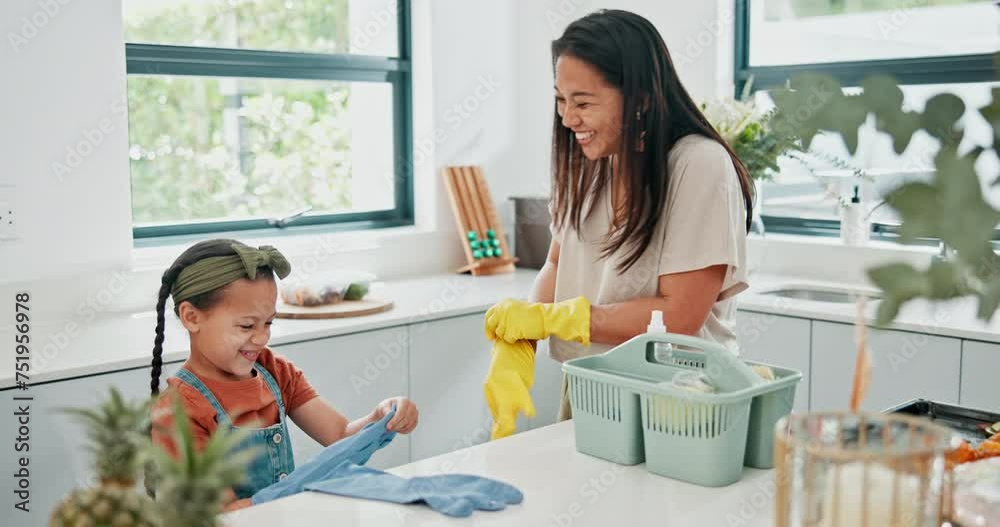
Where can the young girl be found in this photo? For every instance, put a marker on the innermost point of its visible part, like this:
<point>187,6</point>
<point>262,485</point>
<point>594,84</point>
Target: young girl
<point>224,293</point>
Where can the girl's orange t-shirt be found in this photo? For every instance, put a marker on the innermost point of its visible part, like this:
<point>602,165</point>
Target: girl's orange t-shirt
<point>249,401</point>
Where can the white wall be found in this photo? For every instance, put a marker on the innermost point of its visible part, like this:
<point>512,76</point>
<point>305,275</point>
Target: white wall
<point>63,143</point>
<point>482,95</point>
<point>699,36</point>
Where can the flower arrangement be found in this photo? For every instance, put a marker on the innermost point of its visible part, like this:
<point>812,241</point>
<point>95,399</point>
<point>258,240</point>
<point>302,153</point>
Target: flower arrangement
<point>749,131</point>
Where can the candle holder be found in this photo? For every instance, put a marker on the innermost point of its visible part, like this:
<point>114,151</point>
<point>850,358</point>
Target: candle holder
<point>861,470</point>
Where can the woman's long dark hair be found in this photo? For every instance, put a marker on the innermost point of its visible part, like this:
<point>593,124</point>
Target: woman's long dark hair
<point>631,55</point>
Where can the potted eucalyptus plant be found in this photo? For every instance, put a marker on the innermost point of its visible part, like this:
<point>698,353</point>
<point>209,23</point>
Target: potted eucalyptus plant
<point>950,207</point>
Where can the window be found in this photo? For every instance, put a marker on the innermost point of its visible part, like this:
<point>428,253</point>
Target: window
<point>245,112</point>
<point>825,31</point>
<point>930,47</point>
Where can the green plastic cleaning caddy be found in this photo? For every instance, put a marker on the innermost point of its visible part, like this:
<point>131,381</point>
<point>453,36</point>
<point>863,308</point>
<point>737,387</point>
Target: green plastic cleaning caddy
<point>628,408</point>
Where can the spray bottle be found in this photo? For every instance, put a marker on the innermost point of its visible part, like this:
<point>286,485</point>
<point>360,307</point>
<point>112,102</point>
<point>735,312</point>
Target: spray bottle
<point>662,351</point>
<point>854,227</point>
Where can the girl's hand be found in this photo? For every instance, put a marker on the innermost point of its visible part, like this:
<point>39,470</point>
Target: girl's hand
<point>406,416</point>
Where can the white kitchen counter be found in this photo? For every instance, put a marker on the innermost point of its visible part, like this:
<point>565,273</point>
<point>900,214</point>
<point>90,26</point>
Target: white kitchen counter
<point>955,318</point>
<point>561,488</point>
<point>68,348</point>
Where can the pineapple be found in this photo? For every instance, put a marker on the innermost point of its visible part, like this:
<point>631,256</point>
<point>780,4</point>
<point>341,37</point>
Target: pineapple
<point>117,437</point>
<point>192,488</point>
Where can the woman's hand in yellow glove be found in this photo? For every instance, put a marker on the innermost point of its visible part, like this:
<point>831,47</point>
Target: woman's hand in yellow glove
<point>514,320</point>
<point>508,385</point>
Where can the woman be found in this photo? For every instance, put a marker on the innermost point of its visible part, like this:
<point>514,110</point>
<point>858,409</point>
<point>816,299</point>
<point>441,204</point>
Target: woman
<point>650,206</point>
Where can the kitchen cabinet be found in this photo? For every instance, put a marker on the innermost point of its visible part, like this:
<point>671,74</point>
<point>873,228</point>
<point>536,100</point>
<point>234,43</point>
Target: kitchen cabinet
<point>449,359</point>
<point>547,390</point>
<point>354,373</point>
<point>59,460</point>
<point>905,365</point>
<point>980,373</point>
<point>780,341</point>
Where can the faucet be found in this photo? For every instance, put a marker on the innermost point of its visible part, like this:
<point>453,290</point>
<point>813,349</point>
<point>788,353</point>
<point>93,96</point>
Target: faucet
<point>283,222</point>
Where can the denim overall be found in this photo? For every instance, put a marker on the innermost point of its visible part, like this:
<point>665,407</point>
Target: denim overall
<point>275,462</point>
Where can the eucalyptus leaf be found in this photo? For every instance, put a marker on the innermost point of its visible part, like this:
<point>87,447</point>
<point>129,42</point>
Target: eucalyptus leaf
<point>967,220</point>
<point>900,126</point>
<point>940,115</point>
<point>881,94</point>
<point>847,119</point>
<point>883,97</point>
<point>991,112</point>
<point>919,206</point>
<point>787,123</point>
<point>899,279</point>
<point>888,309</point>
<point>899,283</point>
<point>987,269</point>
<point>944,280</point>
<point>816,102</point>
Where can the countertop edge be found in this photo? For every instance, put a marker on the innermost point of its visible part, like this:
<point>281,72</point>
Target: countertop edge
<point>751,300</point>
<point>419,299</point>
<point>173,356</point>
<point>955,318</point>
<point>940,331</point>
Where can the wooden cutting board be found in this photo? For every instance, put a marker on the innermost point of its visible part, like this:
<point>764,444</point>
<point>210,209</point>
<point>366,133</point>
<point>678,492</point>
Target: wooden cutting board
<point>347,308</point>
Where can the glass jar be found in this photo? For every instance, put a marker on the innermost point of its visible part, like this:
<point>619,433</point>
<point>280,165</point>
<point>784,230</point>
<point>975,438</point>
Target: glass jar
<point>860,470</point>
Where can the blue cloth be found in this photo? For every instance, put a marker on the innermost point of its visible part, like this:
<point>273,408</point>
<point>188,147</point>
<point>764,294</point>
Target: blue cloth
<point>275,460</point>
<point>450,494</point>
<point>357,449</point>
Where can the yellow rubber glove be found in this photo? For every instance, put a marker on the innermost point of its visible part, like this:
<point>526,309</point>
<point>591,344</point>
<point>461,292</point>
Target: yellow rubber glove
<point>513,320</point>
<point>507,385</point>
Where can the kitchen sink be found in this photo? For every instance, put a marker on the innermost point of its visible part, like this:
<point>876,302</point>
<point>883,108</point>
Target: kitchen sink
<point>824,294</point>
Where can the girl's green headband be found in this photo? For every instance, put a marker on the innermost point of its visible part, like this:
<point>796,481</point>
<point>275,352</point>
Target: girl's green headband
<point>214,272</point>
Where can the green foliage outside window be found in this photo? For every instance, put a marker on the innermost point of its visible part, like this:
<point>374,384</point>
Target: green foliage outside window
<point>211,148</point>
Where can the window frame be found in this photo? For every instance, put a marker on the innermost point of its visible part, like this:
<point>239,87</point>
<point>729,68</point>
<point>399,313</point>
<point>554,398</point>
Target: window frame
<point>946,69</point>
<point>180,60</point>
